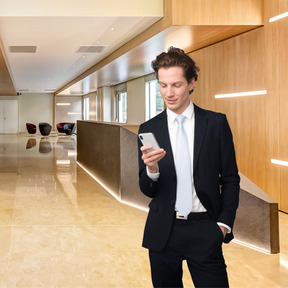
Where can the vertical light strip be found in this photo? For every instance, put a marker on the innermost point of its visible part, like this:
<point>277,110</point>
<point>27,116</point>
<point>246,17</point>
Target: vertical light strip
<point>278,17</point>
<point>279,162</point>
<point>240,94</point>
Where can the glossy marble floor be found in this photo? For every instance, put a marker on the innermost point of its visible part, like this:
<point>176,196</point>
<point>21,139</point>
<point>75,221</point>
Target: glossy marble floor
<point>59,228</point>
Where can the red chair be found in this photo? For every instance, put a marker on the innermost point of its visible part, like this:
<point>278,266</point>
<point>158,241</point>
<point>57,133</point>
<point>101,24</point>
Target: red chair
<point>31,128</point>
<point>60,127</point>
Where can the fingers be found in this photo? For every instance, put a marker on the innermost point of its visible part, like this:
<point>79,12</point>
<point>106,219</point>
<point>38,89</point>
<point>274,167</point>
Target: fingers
<point>151,158</point>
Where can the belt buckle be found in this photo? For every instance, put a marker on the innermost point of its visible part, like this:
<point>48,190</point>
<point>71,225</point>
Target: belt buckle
<point>179,216</point>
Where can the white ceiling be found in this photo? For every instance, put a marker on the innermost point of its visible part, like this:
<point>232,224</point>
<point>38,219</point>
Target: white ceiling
<point>58,28</point>
<point>56,61</point>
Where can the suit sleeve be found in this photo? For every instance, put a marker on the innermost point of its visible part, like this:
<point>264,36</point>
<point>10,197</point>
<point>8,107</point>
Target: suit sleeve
<point>229,177</point>
<point>146,184</point>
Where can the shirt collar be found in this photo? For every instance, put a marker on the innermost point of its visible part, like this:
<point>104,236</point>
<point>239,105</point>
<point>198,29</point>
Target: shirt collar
<point>188,113</point>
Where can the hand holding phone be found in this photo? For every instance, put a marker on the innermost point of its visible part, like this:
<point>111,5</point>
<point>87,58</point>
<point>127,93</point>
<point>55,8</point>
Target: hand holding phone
<point>151,160</point>
<point>149,139</point>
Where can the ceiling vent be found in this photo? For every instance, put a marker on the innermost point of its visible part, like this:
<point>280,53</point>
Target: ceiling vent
<point>91,49</point>
<point>22,49</point>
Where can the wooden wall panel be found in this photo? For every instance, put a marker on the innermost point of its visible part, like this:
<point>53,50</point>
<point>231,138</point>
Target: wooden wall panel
<point>255,60</point>
<point>212,12</point>
<point>283,111</point>
<point>231,66</point>
<point>283,6</point>
<point>204,87</point>
<point>271,72</point>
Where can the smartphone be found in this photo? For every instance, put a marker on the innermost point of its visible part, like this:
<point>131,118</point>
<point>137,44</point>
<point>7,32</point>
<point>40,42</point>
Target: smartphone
<point>149,139</point>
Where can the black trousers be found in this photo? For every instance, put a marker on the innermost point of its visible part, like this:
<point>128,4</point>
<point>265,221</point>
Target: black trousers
<point>199,242</point>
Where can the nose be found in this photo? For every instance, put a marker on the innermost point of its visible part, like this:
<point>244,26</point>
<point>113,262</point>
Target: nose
<point>170,91</point>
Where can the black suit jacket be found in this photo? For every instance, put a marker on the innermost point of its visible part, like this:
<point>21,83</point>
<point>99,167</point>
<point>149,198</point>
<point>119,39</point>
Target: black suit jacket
<point>215,172</point>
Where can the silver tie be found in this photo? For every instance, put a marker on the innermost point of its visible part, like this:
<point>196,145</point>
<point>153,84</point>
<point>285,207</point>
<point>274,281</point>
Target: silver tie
<point>183,170</point>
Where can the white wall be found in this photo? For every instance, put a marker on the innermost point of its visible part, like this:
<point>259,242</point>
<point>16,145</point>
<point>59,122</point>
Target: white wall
<point>8,116</point>
<point>35,108</point>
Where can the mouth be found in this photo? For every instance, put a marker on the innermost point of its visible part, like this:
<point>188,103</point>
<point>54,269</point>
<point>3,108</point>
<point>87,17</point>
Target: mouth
<point>171,101</point>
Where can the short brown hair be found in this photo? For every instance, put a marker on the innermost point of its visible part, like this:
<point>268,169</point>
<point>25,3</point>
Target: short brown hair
<point>176,57</point>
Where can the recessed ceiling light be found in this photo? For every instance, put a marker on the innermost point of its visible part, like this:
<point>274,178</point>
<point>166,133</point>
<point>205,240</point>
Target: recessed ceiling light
<point>74,113</point>
<point>63,104</point>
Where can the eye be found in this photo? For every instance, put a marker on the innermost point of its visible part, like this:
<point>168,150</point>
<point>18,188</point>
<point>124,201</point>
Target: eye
<point>177,85</point>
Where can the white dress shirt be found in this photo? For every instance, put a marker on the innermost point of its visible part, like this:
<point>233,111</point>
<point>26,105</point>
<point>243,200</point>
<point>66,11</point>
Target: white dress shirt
<point>189,126</point>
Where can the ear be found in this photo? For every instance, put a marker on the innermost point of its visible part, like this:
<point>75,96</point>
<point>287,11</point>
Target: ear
<point>192,84</point>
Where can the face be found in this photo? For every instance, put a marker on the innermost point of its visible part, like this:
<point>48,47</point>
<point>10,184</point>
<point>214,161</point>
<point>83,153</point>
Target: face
<point>174,88</point>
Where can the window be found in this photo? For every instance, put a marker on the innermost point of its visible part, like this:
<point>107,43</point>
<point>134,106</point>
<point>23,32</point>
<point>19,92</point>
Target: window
<point>154,103</point>
<point>121,106</point>
<point>86,108</point>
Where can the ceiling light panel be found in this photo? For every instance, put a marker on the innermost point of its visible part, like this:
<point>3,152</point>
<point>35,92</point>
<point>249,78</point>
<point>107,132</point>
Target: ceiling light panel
<point>91,49</point>
<point>22,49</point>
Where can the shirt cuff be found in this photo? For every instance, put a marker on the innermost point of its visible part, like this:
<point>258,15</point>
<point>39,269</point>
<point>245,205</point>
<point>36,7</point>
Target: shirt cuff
<point>152,176</point>
<point>226,226</point>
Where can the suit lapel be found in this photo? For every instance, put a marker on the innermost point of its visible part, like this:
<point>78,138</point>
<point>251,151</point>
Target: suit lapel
<point>200,131</point>
<point>164,138</point>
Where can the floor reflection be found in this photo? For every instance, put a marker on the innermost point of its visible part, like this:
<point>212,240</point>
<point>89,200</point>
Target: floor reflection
<point>45,145</point>
<point>31,142</point>
<point>67,142</point>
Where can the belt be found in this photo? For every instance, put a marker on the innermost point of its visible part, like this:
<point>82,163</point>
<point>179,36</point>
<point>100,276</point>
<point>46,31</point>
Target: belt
<point>193,216</point>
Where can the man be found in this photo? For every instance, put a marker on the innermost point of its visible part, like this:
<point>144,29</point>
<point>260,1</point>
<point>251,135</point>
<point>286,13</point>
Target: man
<point>195,235</point>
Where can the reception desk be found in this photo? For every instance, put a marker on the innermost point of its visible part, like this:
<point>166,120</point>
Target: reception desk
<point>109,152</point>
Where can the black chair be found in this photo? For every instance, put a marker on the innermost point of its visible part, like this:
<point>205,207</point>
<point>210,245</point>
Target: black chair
<point>31,128</point>
<point>45,128</point>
